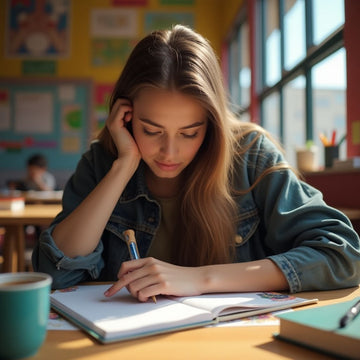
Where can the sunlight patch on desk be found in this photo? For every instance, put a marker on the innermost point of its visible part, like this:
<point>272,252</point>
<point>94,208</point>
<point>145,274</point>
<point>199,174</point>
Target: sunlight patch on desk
<point>74,344</point>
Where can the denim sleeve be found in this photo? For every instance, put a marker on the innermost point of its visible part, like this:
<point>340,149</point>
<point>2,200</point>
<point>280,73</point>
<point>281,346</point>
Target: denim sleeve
<point>313,244</point>
<point>65,271</point>
<point>46,255</point>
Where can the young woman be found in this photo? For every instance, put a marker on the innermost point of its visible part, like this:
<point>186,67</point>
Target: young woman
<point>213,203</point>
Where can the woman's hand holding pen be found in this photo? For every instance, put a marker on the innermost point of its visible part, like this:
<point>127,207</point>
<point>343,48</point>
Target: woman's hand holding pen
<point>149,277</point>
<point>120,116</point>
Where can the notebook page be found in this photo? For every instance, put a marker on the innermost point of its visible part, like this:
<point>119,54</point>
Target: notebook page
<point>228,303</point>
<point>123,316</point>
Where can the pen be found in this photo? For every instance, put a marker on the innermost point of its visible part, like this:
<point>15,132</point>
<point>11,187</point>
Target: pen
<point>350,314</point>
<point>133,249</point>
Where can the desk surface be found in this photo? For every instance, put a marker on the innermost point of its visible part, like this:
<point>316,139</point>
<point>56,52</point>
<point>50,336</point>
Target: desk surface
<point>35,214</point>
<point>13,222</point>
<point>255,342</point>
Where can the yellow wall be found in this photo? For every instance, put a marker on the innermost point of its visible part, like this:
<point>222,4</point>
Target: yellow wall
<point>212,19</point>
<point>229,13</point>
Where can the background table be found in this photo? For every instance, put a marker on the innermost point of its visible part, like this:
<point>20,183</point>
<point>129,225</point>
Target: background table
<point>14,222</point>
<point>223,343</point>
<point>43,197</point>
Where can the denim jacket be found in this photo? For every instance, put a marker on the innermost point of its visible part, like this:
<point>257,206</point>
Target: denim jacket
<point>282,219</point>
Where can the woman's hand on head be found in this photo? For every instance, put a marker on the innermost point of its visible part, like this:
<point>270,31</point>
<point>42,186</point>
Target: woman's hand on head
<point>120,116</point>
<point>149,277</point>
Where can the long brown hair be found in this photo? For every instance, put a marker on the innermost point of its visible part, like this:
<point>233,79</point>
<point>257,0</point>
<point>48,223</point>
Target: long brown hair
<point>180,59</point>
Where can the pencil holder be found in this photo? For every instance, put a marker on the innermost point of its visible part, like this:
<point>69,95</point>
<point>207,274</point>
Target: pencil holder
<point>331,153</point>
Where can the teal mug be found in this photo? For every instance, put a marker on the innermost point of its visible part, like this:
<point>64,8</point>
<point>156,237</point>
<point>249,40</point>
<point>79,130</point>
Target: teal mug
<point>24,313</point>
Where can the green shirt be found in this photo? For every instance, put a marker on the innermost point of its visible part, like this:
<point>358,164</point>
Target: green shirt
<point>163,243</point>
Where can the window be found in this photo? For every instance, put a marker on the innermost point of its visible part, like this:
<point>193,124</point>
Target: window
<point>271,115</point>
<point>244,73</point>
<point>329,16</point>
<point>300,70</point>
<point>294,33</point>
<point>272,67</point>
<point>239,70</point>
<point>294,109</point>
<point>329,106</point>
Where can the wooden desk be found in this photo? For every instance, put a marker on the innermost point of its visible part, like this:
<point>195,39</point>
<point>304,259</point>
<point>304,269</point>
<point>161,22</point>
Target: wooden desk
<point>352,214</point>
<point>13,222</point>
<point>43,197</point>
<point>250,342</point>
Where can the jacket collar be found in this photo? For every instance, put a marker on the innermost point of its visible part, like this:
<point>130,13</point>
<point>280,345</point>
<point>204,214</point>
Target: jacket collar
<point>136,186</point>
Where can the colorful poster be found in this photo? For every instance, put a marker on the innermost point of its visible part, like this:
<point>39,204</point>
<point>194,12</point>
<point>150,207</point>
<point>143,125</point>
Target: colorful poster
<point>72,118</point>
<point>39,67</point>
<point>67,93</point>
<point>47,115</point>
<point>165,20</point>
<point>33,112</point>
<point>129,2</point>
<point>114,23</point>
<point>103,93</point>
<point>70,144</point>
<point>38,28</point>
<point>4,110</point>
<point>177,2</point>
<point>111,52</point>
<point>102,100</point>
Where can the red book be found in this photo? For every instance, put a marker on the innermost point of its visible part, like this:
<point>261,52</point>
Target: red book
<point>13,203</point>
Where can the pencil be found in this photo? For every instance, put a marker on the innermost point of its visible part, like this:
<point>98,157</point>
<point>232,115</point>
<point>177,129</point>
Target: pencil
<point>324,139</point>
<point>342,139</point>
<point>333,138</point>
<point>133,249</point>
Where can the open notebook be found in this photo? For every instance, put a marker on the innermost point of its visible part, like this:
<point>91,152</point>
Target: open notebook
<point>123,317</point>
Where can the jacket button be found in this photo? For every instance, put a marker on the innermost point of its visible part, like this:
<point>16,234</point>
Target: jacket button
<point>238,239</point>
<point>151,219</point>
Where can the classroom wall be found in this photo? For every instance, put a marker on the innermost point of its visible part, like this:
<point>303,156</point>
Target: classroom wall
<point>340,189</point>
<point>210,17</point>
<point>352,45</point>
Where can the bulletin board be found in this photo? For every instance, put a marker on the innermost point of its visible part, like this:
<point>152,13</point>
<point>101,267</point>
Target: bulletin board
<point>48,116</point>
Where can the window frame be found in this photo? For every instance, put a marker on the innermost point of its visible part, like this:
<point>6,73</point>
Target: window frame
<point>254,13</point>
<point>314,55</point>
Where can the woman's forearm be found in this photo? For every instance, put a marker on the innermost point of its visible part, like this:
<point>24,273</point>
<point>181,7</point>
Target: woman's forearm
<point>149,277</point>
<point>260,275</point>
<point>79,233</point>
